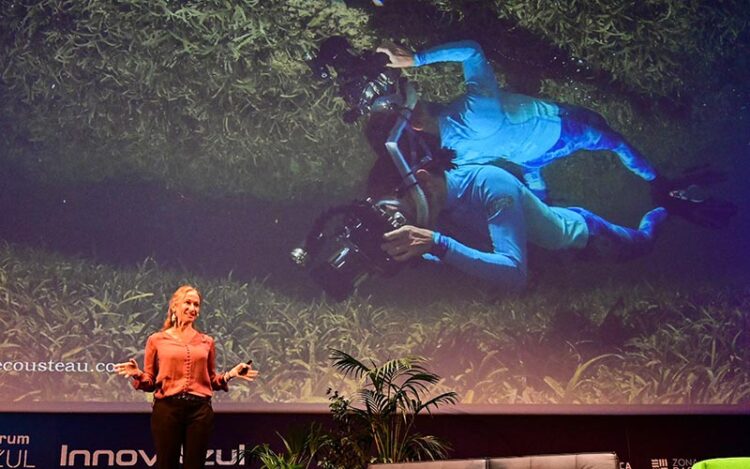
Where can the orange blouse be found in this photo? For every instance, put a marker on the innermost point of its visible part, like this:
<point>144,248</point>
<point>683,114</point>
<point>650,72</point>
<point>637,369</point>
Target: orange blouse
<point>172,367</point>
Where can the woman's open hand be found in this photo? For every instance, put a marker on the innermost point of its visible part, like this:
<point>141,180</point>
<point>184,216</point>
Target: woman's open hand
<point>128,369</point>
<point>243,371</point>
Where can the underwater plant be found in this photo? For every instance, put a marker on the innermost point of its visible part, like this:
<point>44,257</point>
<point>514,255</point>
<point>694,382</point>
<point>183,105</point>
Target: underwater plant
<point>658,47</point>
<point>218,96</point>
<point>215,94</point>
<point>631,341</point>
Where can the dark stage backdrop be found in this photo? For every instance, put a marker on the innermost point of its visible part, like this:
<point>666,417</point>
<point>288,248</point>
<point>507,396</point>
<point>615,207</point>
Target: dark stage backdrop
<point>45,441</point>
<point>144,145</point>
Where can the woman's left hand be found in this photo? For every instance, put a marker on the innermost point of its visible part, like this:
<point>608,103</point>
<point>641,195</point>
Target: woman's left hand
<point>243,371</point>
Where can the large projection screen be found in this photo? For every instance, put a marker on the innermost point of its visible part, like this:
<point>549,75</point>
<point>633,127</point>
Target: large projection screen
<point>145,145</point>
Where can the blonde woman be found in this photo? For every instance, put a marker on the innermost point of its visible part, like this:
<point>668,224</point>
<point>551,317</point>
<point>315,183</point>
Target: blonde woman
<point>180,369</point>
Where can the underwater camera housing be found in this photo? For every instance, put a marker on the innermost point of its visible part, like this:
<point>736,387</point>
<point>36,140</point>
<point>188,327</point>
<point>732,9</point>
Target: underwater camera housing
<point>340,259</point>
<point>351,251</point>
<point>343,247</point>
<point>363,80</point>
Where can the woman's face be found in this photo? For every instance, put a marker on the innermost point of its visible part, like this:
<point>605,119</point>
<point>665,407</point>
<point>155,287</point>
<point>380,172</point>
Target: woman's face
<point>187,310</point>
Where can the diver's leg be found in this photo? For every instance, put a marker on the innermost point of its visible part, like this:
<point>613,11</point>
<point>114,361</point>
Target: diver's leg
<point>535,182</point>
<point>552,228</point>
<point>584,129</point>
<point>614,242</point>
<point>608,139</point>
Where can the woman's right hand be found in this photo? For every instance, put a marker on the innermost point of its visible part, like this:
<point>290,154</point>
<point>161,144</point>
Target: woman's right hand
<point>128,369</point>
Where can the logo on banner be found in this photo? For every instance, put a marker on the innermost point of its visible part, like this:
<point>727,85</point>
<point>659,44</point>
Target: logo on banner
<point>133,457</point>
<point>673,463</point>
<point>14,451</point>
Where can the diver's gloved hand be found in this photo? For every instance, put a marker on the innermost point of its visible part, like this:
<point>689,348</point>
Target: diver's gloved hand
<point>687,196</point>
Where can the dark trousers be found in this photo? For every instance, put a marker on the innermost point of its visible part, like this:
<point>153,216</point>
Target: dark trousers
<point>182,423</point>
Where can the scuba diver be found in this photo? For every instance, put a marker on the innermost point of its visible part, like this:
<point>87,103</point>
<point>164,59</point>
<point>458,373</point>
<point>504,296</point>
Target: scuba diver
<point>480,218</point>
<point>432,194</point>
<point>488,124</point>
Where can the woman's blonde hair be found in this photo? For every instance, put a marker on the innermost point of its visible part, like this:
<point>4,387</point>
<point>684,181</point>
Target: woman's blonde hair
<point>178,297</point>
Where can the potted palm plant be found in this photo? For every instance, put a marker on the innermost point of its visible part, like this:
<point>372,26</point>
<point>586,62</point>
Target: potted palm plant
<point>300,449</point>
<point>378,424</point>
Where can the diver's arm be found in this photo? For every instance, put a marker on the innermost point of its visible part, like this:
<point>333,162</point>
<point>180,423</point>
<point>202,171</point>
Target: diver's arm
<point>496,193</point>
<point>478,73</point>
<point>497,268</point>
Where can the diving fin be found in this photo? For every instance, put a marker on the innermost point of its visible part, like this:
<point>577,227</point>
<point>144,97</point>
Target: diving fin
<point>686,196</point>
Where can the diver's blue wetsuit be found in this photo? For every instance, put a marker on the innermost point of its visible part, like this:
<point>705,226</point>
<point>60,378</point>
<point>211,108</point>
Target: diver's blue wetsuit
<point>489,208</point>
<point>488,123</point>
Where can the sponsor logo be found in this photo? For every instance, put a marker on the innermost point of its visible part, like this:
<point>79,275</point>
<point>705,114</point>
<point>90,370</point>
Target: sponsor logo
<point>673,463</point>
<point>14,452</point>
<point>133,457</point>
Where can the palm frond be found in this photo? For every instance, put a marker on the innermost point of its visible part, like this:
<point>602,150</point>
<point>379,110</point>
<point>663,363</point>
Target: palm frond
<point>446,398</point>
<point>347,364</point>
<point>388,371</point>
<point>385,409</point>
<point>418,382</point>
<point>375,402</point>
<point>421,447</point>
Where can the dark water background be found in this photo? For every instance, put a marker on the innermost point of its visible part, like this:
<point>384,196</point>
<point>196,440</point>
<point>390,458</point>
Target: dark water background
<point>122,223</point>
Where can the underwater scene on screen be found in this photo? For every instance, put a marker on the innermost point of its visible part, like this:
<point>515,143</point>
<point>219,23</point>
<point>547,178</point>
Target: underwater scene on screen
<point>148,144</point>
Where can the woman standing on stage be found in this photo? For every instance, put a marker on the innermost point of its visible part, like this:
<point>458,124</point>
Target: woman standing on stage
<point>180,369</point>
